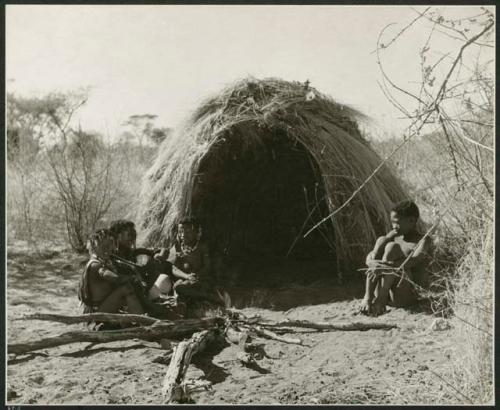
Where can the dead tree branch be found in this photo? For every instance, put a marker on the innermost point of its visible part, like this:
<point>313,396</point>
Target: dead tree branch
<point>121,319</point>
<point>179,363</point>
<point>157,331</point>
<point>268,334</point>
<point>332,326</point>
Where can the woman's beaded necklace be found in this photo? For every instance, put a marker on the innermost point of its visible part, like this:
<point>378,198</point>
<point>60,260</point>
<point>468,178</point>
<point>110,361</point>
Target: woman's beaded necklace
<point>187,249</point>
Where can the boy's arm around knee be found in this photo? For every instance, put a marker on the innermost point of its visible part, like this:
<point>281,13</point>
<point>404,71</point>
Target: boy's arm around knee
<point>374,257</point>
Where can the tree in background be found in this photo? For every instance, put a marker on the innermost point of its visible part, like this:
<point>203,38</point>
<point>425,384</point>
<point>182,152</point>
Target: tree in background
<point>158,135</point>
<point>23,152</point>
<point>73,170</point>
<point>140,129</point>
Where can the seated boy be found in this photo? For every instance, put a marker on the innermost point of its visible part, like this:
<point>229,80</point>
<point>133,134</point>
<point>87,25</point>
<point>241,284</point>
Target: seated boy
<point>101,289</point>
<point>157,268</point>
<point>385,282</point>
<point>191,263</point>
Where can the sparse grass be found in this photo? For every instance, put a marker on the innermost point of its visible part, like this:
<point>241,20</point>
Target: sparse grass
<point>472,304</point>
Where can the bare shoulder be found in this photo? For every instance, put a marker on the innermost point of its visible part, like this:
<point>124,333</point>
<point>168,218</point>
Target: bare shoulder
<point>94,266</point>
<point>423,244</point>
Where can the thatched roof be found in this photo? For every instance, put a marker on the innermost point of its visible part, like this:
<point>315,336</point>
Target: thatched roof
<point>241,120</point>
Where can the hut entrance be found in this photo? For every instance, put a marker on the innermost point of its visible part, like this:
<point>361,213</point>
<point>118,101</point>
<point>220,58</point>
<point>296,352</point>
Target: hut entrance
<point>257,203</point>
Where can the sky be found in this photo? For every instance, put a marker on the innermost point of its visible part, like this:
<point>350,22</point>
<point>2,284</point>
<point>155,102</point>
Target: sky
<point>165,59</point>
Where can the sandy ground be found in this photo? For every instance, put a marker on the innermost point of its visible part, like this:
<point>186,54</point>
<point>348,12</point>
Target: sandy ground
<point>400,366</point>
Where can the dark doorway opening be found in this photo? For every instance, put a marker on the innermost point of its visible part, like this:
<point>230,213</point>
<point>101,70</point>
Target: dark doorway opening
<point>256,200</point>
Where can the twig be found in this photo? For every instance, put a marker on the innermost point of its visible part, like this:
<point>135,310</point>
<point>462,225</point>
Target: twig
<point>402,30</point>
<point>450,146</point>
<point>93,317</point>
<point>387,78</point>
<point>457,59</point>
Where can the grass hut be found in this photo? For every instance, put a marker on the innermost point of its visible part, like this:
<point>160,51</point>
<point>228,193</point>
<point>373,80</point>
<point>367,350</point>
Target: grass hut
<point>260,164</point>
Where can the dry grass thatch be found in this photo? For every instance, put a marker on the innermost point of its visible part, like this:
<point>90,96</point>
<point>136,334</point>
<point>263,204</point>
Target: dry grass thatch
<point>241,120</point>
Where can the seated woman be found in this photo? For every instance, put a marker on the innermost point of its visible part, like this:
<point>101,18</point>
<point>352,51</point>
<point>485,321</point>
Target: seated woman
<point>101,289</point>
<point>191,264</point>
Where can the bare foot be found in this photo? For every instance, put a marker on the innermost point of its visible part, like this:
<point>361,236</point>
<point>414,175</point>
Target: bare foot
<point>365,308</point>
<point>378,307</point>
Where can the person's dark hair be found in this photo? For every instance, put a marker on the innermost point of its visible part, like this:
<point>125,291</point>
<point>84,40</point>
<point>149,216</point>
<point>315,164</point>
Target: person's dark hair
<point>122,225</point>
<point>190,220</point>
<point>95,239</point>
<point>406,209</point>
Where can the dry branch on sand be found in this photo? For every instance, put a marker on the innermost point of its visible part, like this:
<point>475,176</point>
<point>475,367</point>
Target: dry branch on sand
<point>331,326</point>
<point>156,331</point>
<point>268,334</point>
<point>181,358</point>
<point>116,318</point>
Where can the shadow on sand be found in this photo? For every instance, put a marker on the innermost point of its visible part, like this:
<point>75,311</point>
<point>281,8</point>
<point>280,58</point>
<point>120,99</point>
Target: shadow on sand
<point>285,298</point>
<point>213,373</point>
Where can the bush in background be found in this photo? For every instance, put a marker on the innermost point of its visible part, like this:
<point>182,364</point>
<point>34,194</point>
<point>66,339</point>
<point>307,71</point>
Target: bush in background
<point>63,183</point>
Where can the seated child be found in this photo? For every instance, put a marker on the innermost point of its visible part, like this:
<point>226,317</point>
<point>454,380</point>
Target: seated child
<point>101,289</point>
<point>384,282</point>
<point>157,268</point>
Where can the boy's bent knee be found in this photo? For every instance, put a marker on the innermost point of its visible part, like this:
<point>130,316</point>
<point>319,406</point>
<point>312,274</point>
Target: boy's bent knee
<point>392,247</point>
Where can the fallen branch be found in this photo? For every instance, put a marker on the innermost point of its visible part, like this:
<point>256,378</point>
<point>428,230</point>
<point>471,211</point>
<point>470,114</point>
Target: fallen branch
<point>118,318</point>
<point>158,330</point>
<point>331,326</point>
<point>179,363</point>
<point>265,333</point>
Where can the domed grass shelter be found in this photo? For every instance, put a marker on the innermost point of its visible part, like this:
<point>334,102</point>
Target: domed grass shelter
<point>260,164</point>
